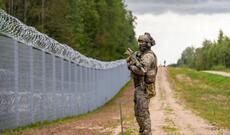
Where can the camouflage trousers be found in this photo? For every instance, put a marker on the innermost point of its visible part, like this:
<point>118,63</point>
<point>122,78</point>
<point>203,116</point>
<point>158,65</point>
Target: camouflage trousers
<point>141,108</point>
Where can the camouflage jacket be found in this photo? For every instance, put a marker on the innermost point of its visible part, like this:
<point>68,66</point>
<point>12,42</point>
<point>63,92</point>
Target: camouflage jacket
<point>149,62</point>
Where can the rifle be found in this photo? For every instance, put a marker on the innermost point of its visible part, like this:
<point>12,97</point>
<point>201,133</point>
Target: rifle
<point>133,60</point>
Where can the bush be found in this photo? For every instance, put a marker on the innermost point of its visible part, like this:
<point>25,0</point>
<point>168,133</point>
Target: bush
<point>218,67</point>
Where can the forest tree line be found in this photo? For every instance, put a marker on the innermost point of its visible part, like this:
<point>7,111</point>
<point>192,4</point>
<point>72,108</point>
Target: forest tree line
<point>212,55</point>
<point>102,29</point>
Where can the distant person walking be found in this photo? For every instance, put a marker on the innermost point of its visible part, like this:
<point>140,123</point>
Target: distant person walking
<point>144,81</point>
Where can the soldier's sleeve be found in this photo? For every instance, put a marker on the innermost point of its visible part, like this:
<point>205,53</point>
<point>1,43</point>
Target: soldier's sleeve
<point>146,61</point>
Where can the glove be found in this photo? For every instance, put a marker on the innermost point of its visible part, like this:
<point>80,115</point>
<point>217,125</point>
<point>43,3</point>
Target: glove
<point>131,67</point>
<point>129,64</point>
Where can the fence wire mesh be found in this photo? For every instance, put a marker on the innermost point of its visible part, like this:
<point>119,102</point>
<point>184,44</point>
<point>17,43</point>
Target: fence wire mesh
<point>41,79</point>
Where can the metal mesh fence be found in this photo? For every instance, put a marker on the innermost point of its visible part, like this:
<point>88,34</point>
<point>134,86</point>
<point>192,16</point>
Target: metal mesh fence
<point>41,79</point>
<point>36,85</point>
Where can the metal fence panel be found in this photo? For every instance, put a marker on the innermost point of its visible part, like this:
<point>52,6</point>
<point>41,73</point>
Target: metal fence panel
<point>7,85</point>
<point>37,85</point>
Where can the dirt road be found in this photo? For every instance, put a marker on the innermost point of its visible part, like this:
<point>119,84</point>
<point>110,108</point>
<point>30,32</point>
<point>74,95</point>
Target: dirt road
<point>169,116</point>
<point>219,73</point>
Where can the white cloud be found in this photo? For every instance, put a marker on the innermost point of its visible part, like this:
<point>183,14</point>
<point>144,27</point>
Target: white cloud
<point>173,32</point>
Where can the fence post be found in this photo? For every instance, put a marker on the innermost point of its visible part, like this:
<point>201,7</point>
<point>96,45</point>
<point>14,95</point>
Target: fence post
<point>70,89</point>
<point>44,92</point>
<point>32,85</point>
<point>16,81</point>
<point>54,86</point>
<point>62,87</point>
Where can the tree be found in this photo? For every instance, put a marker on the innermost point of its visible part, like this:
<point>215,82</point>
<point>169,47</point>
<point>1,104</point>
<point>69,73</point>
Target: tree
<point>188,57</point>
<point>210,55</point>
<point>1,4</point>
<point>102,29</point>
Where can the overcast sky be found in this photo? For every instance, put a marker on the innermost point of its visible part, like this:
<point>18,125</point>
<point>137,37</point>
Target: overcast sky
<point>177,24</point>
<point>179,6</point>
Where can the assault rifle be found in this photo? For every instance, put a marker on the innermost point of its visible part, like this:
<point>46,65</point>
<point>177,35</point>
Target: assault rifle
<point>133,60</point>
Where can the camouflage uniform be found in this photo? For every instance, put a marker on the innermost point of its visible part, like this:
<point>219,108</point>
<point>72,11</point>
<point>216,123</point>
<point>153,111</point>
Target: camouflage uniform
<point>144,89</point>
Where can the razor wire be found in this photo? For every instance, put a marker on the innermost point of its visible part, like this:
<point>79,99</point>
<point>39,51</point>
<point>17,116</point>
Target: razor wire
<point>14,28</point>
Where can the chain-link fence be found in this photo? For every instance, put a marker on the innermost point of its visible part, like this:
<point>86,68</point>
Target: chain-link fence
<point>39,84</point>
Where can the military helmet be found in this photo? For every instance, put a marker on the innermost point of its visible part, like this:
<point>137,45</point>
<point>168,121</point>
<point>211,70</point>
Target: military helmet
<point>147,38</point>
<point>143,38</point>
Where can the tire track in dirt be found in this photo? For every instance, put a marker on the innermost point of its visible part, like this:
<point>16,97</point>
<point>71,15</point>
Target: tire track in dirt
<point>169,116</point>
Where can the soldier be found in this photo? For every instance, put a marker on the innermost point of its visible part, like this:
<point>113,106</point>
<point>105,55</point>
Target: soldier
<point>144,81</point>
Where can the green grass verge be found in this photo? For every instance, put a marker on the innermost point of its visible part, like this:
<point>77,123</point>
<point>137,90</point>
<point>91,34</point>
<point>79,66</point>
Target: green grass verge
<point>207,94</point>
<point>227,70</point>
<point>169,129</point>
<point>127,132</point>
<point>42,124</point>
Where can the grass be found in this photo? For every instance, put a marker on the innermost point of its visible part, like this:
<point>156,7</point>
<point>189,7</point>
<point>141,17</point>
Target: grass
<point>167,109</point>
<point>42,124</point>
<point>131,127</point>
<point>227,70</point>
<point>207,94</point>
<point>127,132</point>
<point>170,127</point>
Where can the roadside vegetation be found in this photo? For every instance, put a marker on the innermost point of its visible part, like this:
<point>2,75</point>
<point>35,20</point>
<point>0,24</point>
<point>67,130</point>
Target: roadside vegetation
<point>227,70</point>
<point>213,55</point>
<point>208,95</point>
<point>102,29</point>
